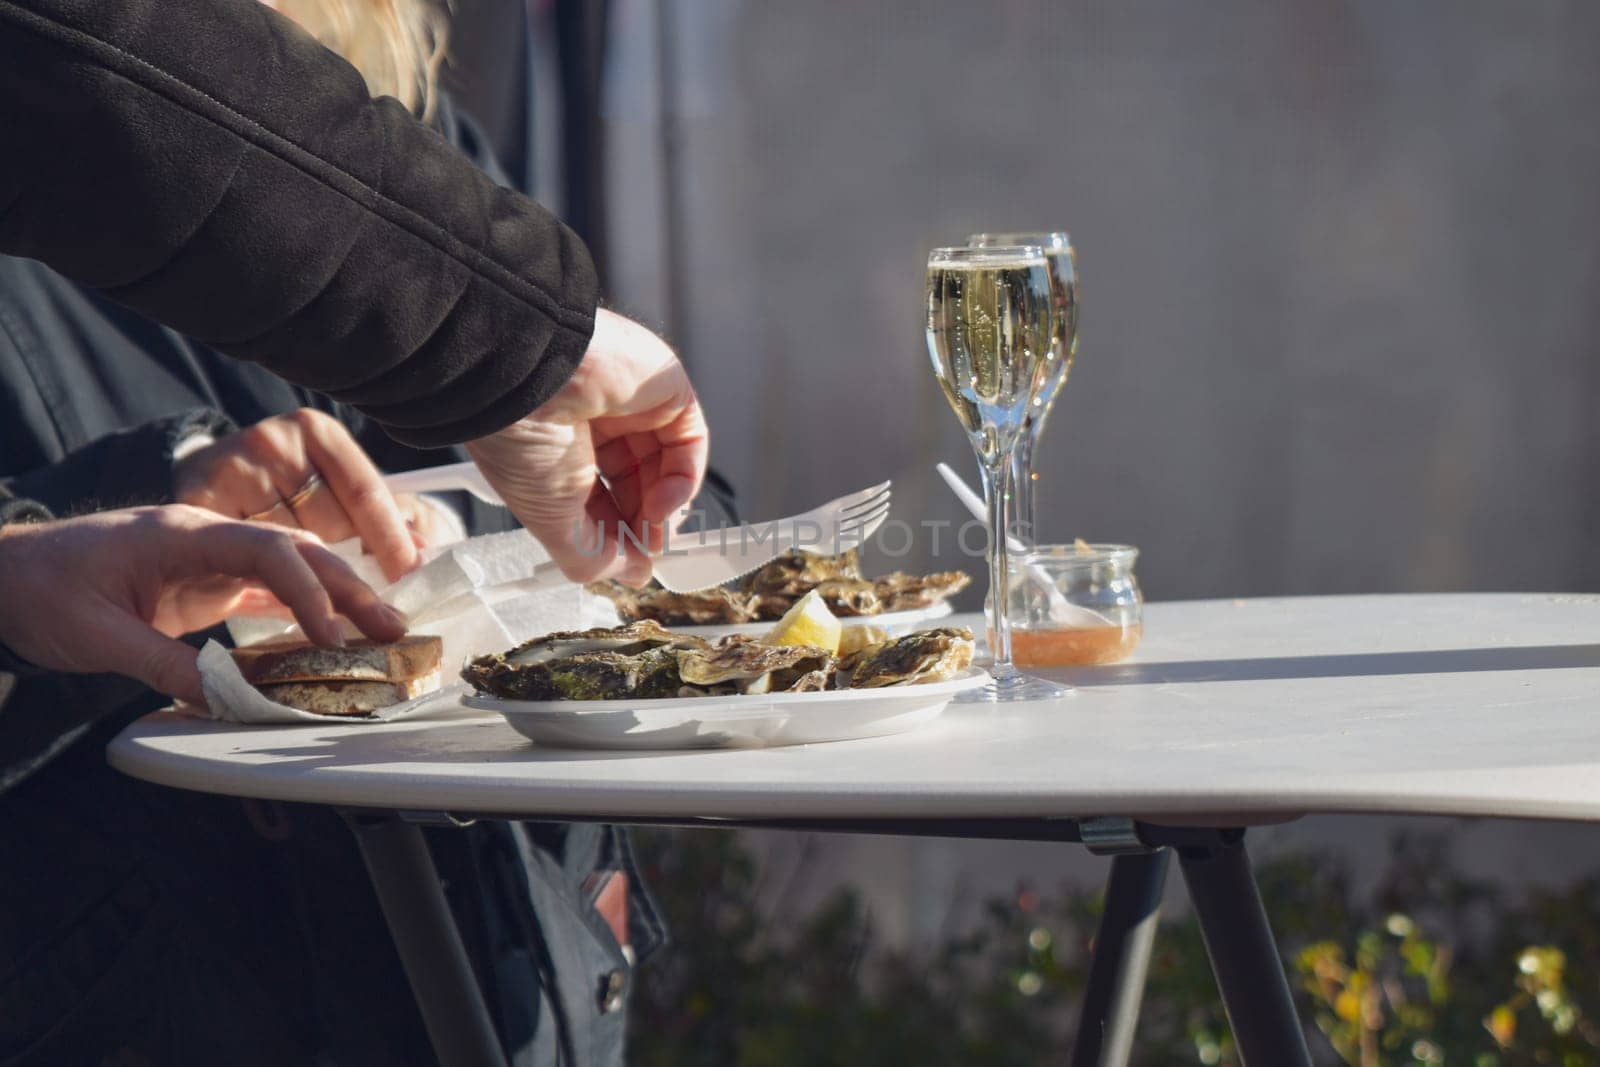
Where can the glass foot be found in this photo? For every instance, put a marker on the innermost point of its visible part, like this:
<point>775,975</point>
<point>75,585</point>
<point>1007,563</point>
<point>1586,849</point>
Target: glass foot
<point>1014,685</point>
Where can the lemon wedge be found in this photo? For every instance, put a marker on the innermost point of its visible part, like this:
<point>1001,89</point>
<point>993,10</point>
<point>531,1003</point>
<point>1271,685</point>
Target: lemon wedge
<point>809,622</point>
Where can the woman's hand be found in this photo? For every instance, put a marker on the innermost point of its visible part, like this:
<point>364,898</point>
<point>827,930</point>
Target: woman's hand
<point>110,591</point>
<point>629,415</point>
<point>302,470</point>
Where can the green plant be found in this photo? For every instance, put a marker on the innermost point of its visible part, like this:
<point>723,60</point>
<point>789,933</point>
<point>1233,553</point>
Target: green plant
<point>1429,968</point>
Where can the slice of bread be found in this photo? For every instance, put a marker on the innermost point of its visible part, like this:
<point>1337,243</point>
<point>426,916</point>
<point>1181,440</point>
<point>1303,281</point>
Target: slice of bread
<point>348,698</point>
<point>274,662</point>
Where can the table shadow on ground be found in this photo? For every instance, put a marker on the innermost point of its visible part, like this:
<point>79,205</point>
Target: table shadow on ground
<point>1355,665</point>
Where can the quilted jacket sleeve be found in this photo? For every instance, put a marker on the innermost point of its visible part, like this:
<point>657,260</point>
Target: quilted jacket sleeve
<point>209,165</point>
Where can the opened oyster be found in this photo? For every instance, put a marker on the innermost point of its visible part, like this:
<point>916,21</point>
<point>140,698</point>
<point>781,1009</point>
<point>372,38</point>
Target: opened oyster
<point>925,656</point>
<point>744,665</point>
<point>794,574</point>
<point>908,592</point>
<point>845,597</point>
<point>633,637</point>
<point>707,607</point>
<point>583,676</point>
<point>585,664</point>
<point>772,590</point>
<point>643,660</point>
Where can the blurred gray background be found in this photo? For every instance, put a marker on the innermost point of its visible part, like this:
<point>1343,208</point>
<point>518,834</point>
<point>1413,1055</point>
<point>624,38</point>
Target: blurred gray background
<point>1339,266</point>
<point>1339,319</point>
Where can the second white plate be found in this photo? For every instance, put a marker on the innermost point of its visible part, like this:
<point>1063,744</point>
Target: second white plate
<point>897,623</point>
<point>729,721</point>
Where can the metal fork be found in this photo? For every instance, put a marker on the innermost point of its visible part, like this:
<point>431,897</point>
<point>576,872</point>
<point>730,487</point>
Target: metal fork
<point>701,560</point>
<point>721,555</point>
<point>826,530</point>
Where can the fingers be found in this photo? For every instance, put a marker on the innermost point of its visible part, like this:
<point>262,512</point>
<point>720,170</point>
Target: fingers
<point>258,601</point>
<point>237,486</point>
<point>626,475</point>
<point>656,471</point>
<point>584,544</point>
<point>625,553</point>
<point>685,450</point>
<point>112,587</point>
<point>545,472</point>
<point>129,646</point>
<point>359,491</point>
<point>353,598</point>
<point>306,578</point>
<point>628,413</point>
<point>314,506</point>
<point>302,469</point>
<point>272,558</point>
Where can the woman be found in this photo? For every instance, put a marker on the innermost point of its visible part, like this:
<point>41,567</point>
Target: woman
<point>207,164</point>
<point>283,957</point>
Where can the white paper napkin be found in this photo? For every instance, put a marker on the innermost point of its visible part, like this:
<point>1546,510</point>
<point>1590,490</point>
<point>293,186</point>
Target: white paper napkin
<point>225,688</point>
<point>476,595</point>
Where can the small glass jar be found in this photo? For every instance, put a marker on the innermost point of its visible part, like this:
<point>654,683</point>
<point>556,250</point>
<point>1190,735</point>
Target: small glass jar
<point>1075,605</point>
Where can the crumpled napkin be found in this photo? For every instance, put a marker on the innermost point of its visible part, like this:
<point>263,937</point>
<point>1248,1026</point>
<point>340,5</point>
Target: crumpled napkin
<point>225,688</point>
<point>478,595</point>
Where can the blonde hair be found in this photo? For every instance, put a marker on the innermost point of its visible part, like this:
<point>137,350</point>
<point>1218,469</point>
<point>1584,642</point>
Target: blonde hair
<point>397,45</point>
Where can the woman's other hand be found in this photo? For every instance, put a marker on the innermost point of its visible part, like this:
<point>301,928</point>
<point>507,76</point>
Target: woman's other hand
<point>302,470</point>
<point>628,415</point>
<point>111,591</point>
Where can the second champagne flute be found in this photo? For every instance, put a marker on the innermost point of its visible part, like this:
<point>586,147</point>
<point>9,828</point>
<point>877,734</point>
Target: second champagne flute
<point>990,324</point>
<point>1023,518</point>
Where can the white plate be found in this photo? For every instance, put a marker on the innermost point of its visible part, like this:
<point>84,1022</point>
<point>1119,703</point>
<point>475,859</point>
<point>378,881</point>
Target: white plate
<point>729,721</point>
<point>897,623</point>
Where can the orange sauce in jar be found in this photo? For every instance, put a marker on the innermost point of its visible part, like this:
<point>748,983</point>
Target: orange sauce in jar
<point>1074,647</point>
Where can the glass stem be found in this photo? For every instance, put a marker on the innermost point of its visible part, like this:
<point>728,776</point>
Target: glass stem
<point>997,488</point>
<point>1024,523</point>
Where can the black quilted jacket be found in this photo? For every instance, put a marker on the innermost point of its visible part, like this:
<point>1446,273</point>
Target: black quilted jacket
<point>209,165</point>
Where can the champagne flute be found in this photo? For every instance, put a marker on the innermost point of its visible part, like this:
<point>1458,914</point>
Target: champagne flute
<point>991,324</point>
<point>1022,519</point>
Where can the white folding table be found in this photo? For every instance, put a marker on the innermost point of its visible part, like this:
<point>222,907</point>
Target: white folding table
<point>1232,713</point>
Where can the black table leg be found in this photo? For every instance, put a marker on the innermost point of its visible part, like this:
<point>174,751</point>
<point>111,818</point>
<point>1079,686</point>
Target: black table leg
<point>1121,957</point>
<point>425,933</point>
<point>1244,957</point>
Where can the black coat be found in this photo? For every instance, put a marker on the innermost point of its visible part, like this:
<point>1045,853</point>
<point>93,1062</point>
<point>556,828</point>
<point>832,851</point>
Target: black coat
<point>144,924</point>
<point>207,164</point>
<point>94,397</point>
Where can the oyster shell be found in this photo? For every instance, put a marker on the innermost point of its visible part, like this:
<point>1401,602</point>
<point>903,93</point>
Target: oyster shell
<point>811,682</point>
<point>925,656</point>
<point>838,582</point>
<point>908,592</point>
<point>848,597</point>
<point>751,667</point>
<point>603,662</point>
<point>707,607</point>
<point>795,573</point>
<point>859,635</point>
<point>772,590</point>
<point>845,597</point>
<point>633,637</point>
<point>643,660</point>
<point>602,675</point>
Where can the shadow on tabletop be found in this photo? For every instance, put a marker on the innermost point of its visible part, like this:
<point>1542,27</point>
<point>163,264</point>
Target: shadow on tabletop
<point>390,744</point>
<point>1373,664</point>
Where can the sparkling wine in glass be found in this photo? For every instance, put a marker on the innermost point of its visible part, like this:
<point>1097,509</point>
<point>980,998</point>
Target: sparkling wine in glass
<point>1022,518</point>
<point>991,329</point>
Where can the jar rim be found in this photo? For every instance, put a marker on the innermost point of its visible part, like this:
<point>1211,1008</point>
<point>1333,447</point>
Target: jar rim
<point>1072,555</point>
